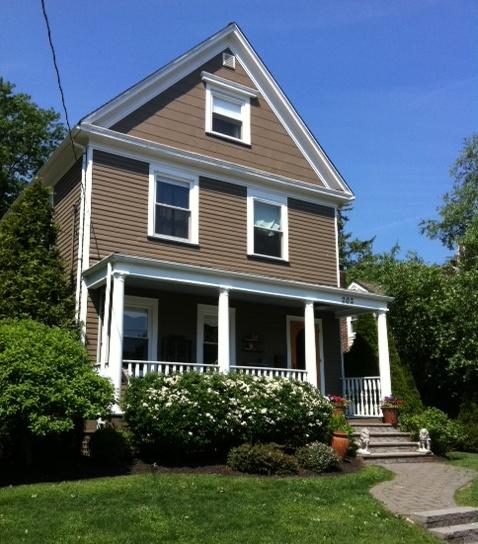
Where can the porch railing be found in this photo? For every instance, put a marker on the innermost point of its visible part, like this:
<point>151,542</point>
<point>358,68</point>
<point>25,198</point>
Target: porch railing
<point>269,372</point>
<point>141,368</point>
<point>364,395</point>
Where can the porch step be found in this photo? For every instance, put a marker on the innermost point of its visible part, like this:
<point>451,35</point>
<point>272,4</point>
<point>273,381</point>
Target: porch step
<point>381,447</point>
<point>457,515</point>
<point>465,533</point>
<point>398,457</point>
<point>386,438</point>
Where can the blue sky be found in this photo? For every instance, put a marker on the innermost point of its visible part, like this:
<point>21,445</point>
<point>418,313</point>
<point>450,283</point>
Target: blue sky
<point>389,89</point>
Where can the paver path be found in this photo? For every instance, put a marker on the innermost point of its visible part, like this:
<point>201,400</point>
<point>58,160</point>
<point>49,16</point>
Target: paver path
<point>421,486</point>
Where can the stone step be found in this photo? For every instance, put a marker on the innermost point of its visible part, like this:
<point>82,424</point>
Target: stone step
<point>376,429</point>
<point>396,436</point>
<point>378,447</point>
<point>457,534</point>
<point>397,457</point>
<point>457,515</point>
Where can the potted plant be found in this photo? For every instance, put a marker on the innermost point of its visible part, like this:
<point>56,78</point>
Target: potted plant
<point>341,435</point>
<point>390,409</point>
<point>339,403</point>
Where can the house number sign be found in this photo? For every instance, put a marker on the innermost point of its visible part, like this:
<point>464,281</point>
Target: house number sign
<point>347,300</point>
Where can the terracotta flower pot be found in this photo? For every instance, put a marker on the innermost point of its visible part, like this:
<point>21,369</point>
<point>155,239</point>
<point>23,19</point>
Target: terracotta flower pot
<point>340,443</point>
<point>339,410</point>
<point>390,415</point>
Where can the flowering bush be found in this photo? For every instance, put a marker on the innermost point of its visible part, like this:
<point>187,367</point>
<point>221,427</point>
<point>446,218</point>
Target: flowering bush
<point>207,414</point>
<point>392,402</point>
<point>265,459</point>
<point>339,402</point>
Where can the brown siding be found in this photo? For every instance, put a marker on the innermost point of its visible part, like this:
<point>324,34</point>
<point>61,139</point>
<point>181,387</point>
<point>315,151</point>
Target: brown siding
<point>65,198</point>
<point>94,309</point>
<point>120,215</point>
<point>177,118</point>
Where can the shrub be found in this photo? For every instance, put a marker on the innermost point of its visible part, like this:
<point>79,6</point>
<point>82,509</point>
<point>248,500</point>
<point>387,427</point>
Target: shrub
<point>110,446</point>
<point>262,459</point>
<point>468,419</point>
<point>317,457</point>
<point>445,433</point>
<point>193,414</point>
<point>47,383</point>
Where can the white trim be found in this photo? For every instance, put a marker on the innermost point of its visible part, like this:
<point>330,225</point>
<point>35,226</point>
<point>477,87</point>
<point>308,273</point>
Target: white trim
<point>187,274</point>
<point>80,236</point>
<point>126,145</point>
<point>231,37</point>
<point>228,96</point>
<point>276,199</point>
<point>229,86</point>
<point>209,309</point>
<point>318,321</point>
<point>151,306</point>
<point>174,175</point>
<point>105,332</point>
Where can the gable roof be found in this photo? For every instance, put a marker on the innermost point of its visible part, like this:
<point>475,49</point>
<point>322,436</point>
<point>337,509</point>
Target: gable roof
<point>231,37</point>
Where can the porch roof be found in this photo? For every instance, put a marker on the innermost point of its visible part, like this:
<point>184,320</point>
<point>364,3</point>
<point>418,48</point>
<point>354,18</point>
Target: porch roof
<point>342,301</point>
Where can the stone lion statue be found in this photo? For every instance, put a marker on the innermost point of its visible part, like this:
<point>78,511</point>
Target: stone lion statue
<point>424,441</point>
<point>364,442</point>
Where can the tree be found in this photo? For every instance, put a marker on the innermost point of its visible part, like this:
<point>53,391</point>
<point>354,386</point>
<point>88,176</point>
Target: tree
<point>457,227</point>
<point>33,283</point>
<point>47,384</point>
<point>28,134</point>
<point>351,251</point>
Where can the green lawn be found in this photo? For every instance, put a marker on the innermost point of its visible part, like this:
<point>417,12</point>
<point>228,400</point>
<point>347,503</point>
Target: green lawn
<point>468,495</point>
<point>185,508</point>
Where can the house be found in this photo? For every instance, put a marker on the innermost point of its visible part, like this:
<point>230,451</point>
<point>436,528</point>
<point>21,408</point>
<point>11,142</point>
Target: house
<point>198,219</point>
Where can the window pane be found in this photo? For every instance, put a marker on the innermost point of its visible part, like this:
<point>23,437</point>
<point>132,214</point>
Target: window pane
<point>172,222</point>
<point>267,242</point>
<point>171,194</point>
<point>135,323</point>
<point>135,348</point>
<point>210,354</point>
<point>227,126</point>
<point>226,108</point>
<point>267,216</point>
<point>210,329</point>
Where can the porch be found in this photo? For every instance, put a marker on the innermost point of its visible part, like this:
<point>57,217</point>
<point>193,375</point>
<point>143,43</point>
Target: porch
<point>168,318</point>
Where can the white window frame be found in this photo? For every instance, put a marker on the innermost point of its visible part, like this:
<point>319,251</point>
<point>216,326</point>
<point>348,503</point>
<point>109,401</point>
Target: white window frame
<point>208,309</point>
<point>151,306</point>
<point>213,91</point>
<point>274,199</point>
<point>175,177</point>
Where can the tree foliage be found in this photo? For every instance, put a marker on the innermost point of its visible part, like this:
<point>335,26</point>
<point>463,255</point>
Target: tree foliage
<point>457,227</point>
<point>28,135</point>
<point>33,283</point>
<point>351,250</point>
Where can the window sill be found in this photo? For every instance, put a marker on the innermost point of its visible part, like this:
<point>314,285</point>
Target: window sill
<point>268,258</point>
<point>173,241</point>
<point>225,137</point>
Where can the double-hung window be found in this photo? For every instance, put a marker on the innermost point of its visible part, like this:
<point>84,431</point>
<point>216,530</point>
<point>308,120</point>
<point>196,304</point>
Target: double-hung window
<point>173,206</point>
<point>267,225</point>
<point>228,108</point>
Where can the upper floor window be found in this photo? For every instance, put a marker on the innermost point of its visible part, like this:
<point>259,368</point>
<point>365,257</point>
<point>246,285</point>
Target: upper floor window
<point>267,225</point>
<point>173,210</point>
<point>228,108</point>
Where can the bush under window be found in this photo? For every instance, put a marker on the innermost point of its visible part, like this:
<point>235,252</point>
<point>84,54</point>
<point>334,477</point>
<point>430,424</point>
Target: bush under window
<point>193,414</point>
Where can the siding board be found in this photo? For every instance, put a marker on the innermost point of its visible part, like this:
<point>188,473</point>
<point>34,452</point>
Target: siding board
<point>120,215</point>
<point>176,117</point>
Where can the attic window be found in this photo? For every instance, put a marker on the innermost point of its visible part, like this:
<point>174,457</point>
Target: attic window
<point>228,108</point>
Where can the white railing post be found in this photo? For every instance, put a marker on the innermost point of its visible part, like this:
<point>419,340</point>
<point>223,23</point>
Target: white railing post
<point>310,350</point>
<point>383,354</point>
<point>223,349</point>
<point>116,334</point>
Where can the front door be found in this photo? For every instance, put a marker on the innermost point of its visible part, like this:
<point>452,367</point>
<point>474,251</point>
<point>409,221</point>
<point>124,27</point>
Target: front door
<point>297,346</point>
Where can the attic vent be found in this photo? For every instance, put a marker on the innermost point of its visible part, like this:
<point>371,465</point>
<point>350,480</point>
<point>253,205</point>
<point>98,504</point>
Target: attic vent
<point>229,60</point>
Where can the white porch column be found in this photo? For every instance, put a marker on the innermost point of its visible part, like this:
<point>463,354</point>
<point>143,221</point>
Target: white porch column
<point>223,327</point>
<point>310,350</point>
<point>105,330</point>
<point>383,354</point>
<point>116,334</point>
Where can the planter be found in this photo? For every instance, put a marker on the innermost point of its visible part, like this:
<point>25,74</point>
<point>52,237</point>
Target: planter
<point>390,415</point>
<point>339,410</point>
<point>340,443</point>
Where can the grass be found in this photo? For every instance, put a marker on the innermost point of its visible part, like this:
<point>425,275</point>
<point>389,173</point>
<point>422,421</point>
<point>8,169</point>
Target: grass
<point>193,509</point>
<point>468,495</point>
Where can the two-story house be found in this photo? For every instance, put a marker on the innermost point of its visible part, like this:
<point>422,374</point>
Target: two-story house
<point>198,219</point>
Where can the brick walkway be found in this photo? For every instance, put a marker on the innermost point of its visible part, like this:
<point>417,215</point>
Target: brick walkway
<point>421,486</point>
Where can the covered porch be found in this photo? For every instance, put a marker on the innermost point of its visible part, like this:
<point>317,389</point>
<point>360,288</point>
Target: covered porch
<point>157,316</point>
